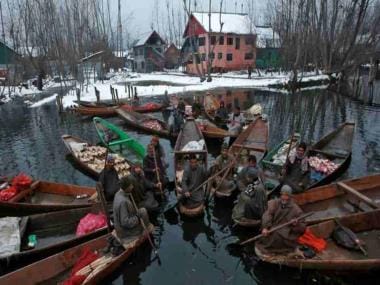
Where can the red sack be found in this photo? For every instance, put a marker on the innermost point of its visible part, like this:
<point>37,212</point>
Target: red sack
<point>309,239</point>
<point>21,181</point>
<point>8,193</point>
<point>85,259</point>
<point>90,223</point>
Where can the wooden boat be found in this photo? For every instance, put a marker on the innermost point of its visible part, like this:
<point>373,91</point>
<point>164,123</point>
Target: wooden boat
<point>190,132</point>
<point>273,160</point>
<point>333,200</point>
<point>145,123</point>
<point>252,141</point>
<point>55,231</point>
<point>144,108</point>
<point>44,196</point>
<point>89,104</point>
<point>211,131</point>
<point>96,111</point>
<point>93,164</point>
<point>336,258</point>
<point>56,268</point>
<point>117,140</point>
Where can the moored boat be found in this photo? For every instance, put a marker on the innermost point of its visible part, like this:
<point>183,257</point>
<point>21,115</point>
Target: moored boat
<point>56,268</point>
<point>145,123</point>
<point>144,108</point>
<point>117,140</point>
<point>91,159</point>
<point>190,133</point>
<point>212,131</point>
<point>54,231</point>
<point>45,196</point>
<point>96,111</point>
<point>335,258</point>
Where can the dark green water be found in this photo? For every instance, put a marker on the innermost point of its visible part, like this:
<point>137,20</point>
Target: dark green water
<point>192,251</point>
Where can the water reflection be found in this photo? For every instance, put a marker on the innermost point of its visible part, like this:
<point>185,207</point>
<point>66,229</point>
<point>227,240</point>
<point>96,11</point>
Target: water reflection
<point>192,251</point>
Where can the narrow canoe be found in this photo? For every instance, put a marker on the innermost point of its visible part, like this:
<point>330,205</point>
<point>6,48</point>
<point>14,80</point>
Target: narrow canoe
<point>190,132</point>
<point>252,141</point>
<point>144,108</point>
<point>96,111</point>
<point>331,201</point>
<point>55,232</point>
<point>118,140</point>
<point>145,123</point>
<point>45,196</point>
<point>275,158</point>
<point>56,268</point>
<point>211,131</point>
<point>336,258</point>
<point>90,104</point>
<point>90,159</point>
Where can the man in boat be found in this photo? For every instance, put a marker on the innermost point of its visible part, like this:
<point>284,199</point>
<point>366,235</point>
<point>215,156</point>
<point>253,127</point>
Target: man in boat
<point>154,167</point>
<point>126,218</point>
<point>178,121</point>
<point>222,161</point>
<point>194,175</point>
<point>109,179</point>
<point>159,150</point>
<point>235,124</point>
<point>143,188</point>
<point>197,107</point>
<point>296,169</point>
<point>252,202</point>
<point>242,181</point>
<point>280,211</point>
<point>221,113</point>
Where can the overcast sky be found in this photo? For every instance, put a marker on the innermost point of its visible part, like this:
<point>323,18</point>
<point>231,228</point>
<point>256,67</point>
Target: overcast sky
<point>143,9</point>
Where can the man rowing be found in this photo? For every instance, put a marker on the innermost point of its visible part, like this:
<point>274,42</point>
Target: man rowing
<point>194,175</point>
<point>235,124</point>
<point>222,161</point>
<point>280,211</point>
<point>242,181</point>
<point>109,179</point>
<point>153,167</point>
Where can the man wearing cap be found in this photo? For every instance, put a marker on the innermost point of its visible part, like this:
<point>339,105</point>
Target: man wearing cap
<point>280,211</point>
<point>235,124</point>
<point>242,181</point>
<point>252,202</point>
<point>222,113</point>
<point>159,150</point>
<point>109,179</point>
<point>126,216</point>
<point>222,161</point>
<point>193,176</point>
<point>151,169</point>
<point>143,188</point>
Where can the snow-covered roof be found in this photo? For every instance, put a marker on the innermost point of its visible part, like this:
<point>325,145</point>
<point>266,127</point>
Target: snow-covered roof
<point>232,23</point>
<point>266,37</point>
<point>145,37</point>
<point>121,53</point>
<point>91,56</point>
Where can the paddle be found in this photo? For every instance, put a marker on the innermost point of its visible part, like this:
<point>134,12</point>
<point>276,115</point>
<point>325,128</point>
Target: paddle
<point>276,228</point>
<point>145,229</point>
<point>100,191</point>
<point>354,238</point>
<point>157,173</point>
<point>358,195</point>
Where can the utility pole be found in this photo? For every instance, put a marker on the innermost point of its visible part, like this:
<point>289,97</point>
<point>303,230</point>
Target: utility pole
<point>209,44</point>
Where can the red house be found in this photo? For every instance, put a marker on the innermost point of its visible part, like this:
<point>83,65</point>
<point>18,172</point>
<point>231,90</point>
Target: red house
<point>229,40</point>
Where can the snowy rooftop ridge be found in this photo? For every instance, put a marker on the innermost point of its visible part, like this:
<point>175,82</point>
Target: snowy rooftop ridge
<point>266,37</point>
<point>232,23</point>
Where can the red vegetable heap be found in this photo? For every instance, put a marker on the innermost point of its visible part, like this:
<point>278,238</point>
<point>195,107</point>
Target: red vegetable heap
<point>19,183</point>
<point>322,165</point>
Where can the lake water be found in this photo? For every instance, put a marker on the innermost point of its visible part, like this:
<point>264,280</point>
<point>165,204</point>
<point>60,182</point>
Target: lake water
<point>192,251</point>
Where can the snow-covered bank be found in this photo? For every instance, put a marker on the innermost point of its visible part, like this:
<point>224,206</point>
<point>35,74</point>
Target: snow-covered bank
<point>43,101</point>
<point>174,83</point>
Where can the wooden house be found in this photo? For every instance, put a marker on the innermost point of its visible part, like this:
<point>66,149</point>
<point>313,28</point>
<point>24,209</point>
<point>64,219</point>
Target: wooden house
<point>172,54</point>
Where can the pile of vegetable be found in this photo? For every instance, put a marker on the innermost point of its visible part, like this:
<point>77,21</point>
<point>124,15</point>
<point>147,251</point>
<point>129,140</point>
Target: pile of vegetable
<point>152,124</point>
<point>322,165</point>
<point>18,184</point>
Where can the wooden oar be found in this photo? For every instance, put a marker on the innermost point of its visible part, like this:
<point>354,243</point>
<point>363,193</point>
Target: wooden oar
<point>355,239</point>
<point>100,192</point>
<point>277,228</point>
<point>359,195</point>
<point>157,173</point>
<point>145,228</point>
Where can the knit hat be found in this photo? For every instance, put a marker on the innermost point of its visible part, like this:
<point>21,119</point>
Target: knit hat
<point>287,190</point>
<point>251,175</point>
<point>125,182</point>
<point>256,110</point>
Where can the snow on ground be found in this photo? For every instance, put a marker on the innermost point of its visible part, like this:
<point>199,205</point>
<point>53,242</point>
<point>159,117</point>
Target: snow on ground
<point>164,82</point>
<point>43,101</point>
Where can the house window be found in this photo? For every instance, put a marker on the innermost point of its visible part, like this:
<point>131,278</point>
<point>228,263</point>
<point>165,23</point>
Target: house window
<point>203,56</point>
<point>142,65</point>
<point>197,59</point>
<point>248,56</point>
<point>229,57</point>
<point>220,55</point>
<point>141,51</point>
<point>237,43</point>
<point>213,40</point>
<point>201,42</point>
<point>230,41</point>
<point>212,55</point>
<point>249,40</point>
<point>221,40</point>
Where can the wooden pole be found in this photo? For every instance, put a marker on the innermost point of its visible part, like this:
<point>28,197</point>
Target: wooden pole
<point>358,195</point>
<point>100,191</point>
<point>157,173</point>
